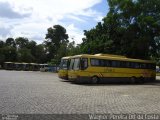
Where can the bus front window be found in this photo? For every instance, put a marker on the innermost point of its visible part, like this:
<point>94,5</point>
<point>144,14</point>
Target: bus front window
<point>76,64</point>
<point>64,64</point>
<point>71,64</point>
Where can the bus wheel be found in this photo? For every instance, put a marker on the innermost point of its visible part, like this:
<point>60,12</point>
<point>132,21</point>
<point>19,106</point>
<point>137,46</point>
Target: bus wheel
<point>133,80</point>
<point>94,80</point>
<point>141,80</point>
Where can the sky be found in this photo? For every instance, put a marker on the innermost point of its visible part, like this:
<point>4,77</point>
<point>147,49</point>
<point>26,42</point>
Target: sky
<point>31,18</point>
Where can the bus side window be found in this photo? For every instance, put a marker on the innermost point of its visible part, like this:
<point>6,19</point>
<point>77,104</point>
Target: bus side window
<point>108,63</point>
<point>118,64</point>
<point>143,65</point>
<point>92,62</point>
<point>136,65</point>
<point>84,63</point>
<point>114,64</point>
<point>123,64</point>
<point>102,62</point>
<point>127,64</point>
<point>71,64</point>
<point>131,65</point>
<point>95,62</point>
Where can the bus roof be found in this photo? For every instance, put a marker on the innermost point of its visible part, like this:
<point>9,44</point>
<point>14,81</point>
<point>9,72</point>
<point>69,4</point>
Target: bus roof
<point>43,64</point>
<point>100,54</point>
<point>17,63</point>
<point>113,57</point>
<point>25,63</point>
<point>8,62</point>
<point>67,57</point>
<point>33,63</point>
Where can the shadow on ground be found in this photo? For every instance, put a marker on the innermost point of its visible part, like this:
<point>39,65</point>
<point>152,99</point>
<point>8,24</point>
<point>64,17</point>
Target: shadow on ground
<point>103,83</point>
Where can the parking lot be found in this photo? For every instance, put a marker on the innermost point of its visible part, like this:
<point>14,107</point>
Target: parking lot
<point>44,93</point>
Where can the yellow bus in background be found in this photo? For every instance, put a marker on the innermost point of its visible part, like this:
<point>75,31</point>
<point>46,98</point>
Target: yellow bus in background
<point>63,68</point>
<point>105,67</point>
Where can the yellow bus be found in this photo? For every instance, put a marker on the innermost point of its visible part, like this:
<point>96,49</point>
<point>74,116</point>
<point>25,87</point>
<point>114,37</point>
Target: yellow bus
<point>105,67</point>
<point>63,68</point>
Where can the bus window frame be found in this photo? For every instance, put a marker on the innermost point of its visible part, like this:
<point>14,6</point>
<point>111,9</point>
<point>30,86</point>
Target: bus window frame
<point>71,64</point>
<point>77,67</point>
<point>83,68</point>
<point>121,64</point>
<point>62,64</point>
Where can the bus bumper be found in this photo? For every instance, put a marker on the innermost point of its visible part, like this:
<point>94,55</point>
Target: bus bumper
<point>63,77</point>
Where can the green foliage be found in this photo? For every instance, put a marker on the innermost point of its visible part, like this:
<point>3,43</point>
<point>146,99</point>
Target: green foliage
<point>21,42</point>
<point>53,49</point>
<point>55,36</point>
<point>57,44</point>
<point>40,54</point>
<point>24,55</point>
<point>10,42</point>
<point>73,49</point>
<point>53,62</point>
<point>21,50</point>
<point>130,28</point>
<point>2,44</point>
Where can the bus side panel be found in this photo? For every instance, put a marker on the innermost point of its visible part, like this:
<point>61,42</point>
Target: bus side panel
<point>110,72</point>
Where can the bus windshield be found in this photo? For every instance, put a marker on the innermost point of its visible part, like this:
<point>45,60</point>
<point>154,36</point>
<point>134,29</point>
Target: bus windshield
<point>64,64</point>
<point>78,63</point>
<point>75,64</point>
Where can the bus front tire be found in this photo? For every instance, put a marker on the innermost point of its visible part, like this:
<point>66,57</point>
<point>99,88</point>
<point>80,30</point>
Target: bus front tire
<point>94,80</point>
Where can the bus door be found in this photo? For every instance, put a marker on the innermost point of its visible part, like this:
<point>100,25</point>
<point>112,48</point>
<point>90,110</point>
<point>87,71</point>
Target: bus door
<point>74,68</point>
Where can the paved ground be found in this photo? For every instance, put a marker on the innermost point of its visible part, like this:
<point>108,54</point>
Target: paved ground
<point>39,92</point>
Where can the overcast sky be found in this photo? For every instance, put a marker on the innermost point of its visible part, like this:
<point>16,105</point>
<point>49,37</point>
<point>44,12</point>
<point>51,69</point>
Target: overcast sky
<point>31,18</point>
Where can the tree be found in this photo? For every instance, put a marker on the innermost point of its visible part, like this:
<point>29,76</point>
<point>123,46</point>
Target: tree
<point>73,49</point>
<point>10,53</point>
<point>138,26</point>
<point>2,55</point>
<point>40,54</point>
<point>10,42</point>
<point>24,55</point>
<point>2,44</point>
<point>22,50</point>
<point>55,36</point>
<point>21,42</point>
<point>97,40</point>
<point>130,28</point>
<point>32,46</point>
